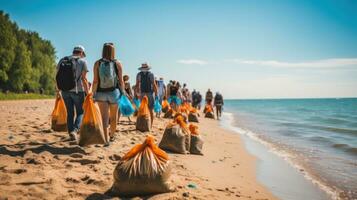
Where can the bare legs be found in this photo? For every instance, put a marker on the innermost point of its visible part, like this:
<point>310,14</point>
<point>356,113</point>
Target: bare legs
<point>152,117</point>
<point>109,115</point>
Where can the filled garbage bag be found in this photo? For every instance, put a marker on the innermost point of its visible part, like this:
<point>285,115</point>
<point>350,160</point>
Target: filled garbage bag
<point>196,140</point>
<point>183,115</point>
<point>165,106</point>
<point>170,113</point>
<point>176,137</point>
<point>208,108</point>
<point>143,117</point>
<point>193,117</point>
<point>157,106</point>
<point>144,170</point>
<point>59,116</point>
<point>125,106</point>
<point>209,115</point>
<point>91,131</point>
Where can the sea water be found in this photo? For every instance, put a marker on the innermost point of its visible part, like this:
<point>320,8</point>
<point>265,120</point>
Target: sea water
<point>317,136</point>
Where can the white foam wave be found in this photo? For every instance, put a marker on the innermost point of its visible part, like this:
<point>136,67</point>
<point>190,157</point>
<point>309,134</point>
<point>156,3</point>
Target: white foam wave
<point>227,122</point>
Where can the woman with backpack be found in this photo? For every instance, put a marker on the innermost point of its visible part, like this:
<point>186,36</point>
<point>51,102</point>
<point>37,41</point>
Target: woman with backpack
<point>108,79</point>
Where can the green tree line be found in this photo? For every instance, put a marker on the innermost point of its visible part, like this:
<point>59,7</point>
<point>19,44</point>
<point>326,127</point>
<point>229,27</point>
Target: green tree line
<point>27,62</point>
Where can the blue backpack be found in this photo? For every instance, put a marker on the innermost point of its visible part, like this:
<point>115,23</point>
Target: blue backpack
<point>108,75</point>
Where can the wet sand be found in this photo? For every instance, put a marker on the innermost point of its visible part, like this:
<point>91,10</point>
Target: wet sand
<point>37,163</point>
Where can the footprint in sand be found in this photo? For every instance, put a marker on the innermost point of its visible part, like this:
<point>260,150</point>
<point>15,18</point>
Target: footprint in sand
<point>85,161</point>
<point>15,171</point>
<point>76,155</point>
<point>72,180</point>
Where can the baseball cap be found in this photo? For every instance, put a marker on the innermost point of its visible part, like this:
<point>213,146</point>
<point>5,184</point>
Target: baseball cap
<point>79,48</point>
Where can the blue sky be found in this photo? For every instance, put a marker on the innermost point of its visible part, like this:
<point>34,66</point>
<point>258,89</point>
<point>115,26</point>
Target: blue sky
<point>245,49</point>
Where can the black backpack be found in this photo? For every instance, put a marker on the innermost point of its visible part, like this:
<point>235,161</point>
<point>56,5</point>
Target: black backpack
<point>66,74</point>
<point>146,82</point>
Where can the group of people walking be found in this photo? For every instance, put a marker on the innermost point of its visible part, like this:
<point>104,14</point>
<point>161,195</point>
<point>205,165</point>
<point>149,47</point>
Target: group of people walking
<point>109,83</point>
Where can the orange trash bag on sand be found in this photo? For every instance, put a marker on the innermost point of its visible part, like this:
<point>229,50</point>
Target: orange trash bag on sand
<point>143,118</point>
<point>176,137</point>
<point>193,115</point>
<point>196,140</point>
<point>170,113</point>
<point>209,112</point>
<point>59,116</point>
<point>165,106</point>
<point>91,131</point>
<point>144,170</point>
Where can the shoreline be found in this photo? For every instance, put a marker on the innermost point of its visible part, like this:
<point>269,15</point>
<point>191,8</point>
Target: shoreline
<point>36,162</point>
<point>321,190</point>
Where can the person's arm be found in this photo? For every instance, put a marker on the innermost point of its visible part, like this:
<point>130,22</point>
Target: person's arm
<point>84,76</point>
<point>155,85</point>
<point>95,77</point>
<point>130,92</point>
<point>120,75</point>
<point>85,82</point>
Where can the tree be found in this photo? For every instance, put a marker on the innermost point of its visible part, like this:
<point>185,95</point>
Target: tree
<point>27,62</point>
<point>7,47</point>
<point>20,71</point>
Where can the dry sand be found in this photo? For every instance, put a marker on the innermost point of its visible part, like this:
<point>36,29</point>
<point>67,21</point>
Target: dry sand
<point>37,163</point>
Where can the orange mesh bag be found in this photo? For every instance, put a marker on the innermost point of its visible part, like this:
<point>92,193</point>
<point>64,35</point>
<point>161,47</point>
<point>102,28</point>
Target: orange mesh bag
<point>91,131</point>
<point>193,115</point>
<point>183,115</point>
<point>165,106</point>
<point>176,137</point>
<point>59,116</point>
<point>170,113</point>
<point>208,112</point>
<point>196,140</point>
<point>143,118</point>
<point>183,109</point>
<point>144,170</point>
<point>208,108</point>
<point>193,129</point>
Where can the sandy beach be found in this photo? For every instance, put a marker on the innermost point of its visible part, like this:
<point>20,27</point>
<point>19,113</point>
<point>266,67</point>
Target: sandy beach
<point>37,163</point>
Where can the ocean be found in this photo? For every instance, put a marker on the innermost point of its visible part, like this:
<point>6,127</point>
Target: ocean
<point>317,136</point>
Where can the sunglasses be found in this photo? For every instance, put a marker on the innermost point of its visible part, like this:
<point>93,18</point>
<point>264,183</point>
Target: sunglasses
<point>108,44</point>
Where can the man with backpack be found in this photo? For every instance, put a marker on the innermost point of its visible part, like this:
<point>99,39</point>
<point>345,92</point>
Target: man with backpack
<point>218,103</point>
<point>146,86</point>
<point>71,84</point>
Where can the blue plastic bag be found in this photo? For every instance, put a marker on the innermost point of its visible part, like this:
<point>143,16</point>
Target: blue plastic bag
<point>157,105</point>
<point>125,106</point>
<point>137,103</point>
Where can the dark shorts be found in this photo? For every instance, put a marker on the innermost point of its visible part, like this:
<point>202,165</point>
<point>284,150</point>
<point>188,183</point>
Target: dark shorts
<point>151,99</point>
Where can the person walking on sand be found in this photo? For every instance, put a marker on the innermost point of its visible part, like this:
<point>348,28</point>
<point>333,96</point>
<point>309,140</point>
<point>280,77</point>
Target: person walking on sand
<point>161,92</point>
<point>71,83</point>
<point>108,80</point>
<point>128,91</point>
<point>146,86</point>
<point>199,100</point>
<point>209,97</point>
<point>218,103</point>
<point>174,99</point>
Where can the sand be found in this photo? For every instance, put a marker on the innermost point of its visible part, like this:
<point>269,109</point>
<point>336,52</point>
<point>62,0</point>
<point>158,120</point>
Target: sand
<point>37,163</point>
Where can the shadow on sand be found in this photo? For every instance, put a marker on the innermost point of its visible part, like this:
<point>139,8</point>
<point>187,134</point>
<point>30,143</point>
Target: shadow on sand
<point>39,149</point>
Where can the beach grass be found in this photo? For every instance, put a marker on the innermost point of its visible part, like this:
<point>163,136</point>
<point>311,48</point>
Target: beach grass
<point>21,96</point>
